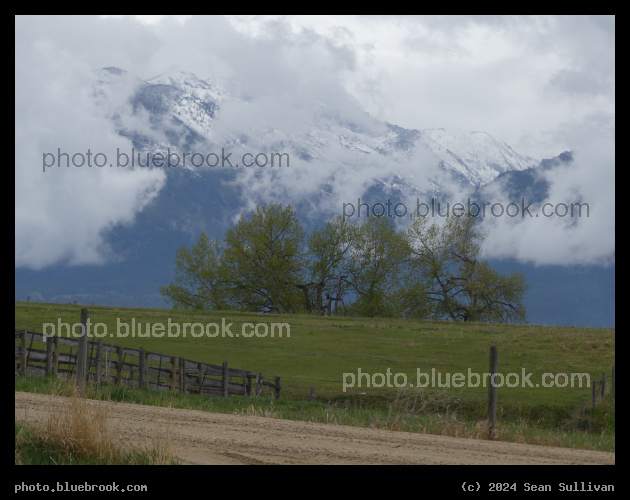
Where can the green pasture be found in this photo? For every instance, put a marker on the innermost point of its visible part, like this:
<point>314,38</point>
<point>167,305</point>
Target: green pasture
<point>317,351</point>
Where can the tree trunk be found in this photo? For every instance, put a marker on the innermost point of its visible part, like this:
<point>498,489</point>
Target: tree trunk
<point>320,299</point>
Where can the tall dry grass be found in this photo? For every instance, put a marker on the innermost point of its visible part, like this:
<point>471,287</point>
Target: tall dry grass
<point>77,430</point>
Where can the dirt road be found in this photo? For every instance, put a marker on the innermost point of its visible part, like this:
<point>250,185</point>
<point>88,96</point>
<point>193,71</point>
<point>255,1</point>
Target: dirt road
<point>198,437</point>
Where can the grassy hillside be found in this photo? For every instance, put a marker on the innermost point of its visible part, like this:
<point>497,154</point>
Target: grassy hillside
<point>319,350</point>
<point>325,352</point>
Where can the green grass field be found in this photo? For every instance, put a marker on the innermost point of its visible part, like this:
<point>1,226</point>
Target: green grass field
<point>325,352</point>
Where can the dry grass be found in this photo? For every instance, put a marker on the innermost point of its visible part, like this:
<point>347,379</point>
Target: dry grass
<point>77,430</point>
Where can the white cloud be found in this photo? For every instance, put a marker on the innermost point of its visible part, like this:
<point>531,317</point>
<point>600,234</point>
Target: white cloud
<point>61,214</point>
<point>542,84</point>
<point>586,238</point>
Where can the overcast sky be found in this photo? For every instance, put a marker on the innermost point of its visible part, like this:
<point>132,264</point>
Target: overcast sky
<point>542,84</point>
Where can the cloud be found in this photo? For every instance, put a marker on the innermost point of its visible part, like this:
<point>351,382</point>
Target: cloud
<point>62,214</point>
<point>589,236</point>
<point>544,84</point>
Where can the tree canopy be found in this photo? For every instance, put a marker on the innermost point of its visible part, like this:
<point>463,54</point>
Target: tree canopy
<point>266,263</point>
<point>448,279</point>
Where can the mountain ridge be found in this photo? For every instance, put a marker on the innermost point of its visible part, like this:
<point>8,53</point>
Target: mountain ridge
<point>337,157</point>
<point>181,98</point>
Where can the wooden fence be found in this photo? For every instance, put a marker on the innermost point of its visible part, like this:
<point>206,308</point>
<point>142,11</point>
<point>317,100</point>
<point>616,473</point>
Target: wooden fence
<point>599,388</point>
<point>135,367</point>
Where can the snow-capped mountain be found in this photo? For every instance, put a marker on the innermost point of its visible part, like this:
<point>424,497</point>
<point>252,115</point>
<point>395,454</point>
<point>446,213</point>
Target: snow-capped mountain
<point>338,154</point>
<point>187,111</point>
<point>189,99</point>
<point>477,156</point>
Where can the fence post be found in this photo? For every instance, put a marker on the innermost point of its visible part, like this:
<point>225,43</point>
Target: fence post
<point>226,391</point>
<point>244,382</point>
<point>613,381</point>
<point>200,376</point>
<point>248,386</point>
<point>159,372</point>
<point>23,352</point>
<point>277,392</point>
<point>259,385</point>
<point>182,375</point>
<point>99,360</point>
<point>147,368</point>
<point>49,355</point>
<point>492,390</point>
<point>311,396</point>
<point>119,364</point>
<point>141,367</point>
<point>82,353</point>
<point>90,356</point>
<point>173,372</point>
<point>56,355</point>
<point>594,393</point>
<point>72,363</point>
<point>603,385</point>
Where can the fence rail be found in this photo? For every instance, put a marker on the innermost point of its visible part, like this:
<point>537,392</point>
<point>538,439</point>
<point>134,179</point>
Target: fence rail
<point>135,367</point>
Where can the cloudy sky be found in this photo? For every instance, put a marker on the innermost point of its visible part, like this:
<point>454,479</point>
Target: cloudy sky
<point>542,84</point>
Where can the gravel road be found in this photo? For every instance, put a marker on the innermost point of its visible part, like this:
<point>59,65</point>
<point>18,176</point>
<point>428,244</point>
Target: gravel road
<point>198,437</point>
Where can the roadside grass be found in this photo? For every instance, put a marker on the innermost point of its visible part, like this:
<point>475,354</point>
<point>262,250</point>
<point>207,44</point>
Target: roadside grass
<point>408,411</point>
<point>327,353</point>
<point>76,433</point>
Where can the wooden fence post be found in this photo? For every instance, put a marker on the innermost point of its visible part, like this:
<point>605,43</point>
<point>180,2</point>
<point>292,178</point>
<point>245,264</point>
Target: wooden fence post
<point>182,375</point>
<point>244,382</point>
<point>226,391</point>
<point>82,353</point>
<point>72,362</point>
<point>28,351</point>
<point>173,372</point>
<point>259,385</point>
<point>147,368</point>
<point>277,388</point>
<point>99,360</point>
<point>119,363</point>
<point>200,377</point>
<point>492,390</point>
<point>594,393</point>
<point>603,385</point>
<point>23,353</point>
<point>159,372</point>
<point>311,396</point>
<point>613,381</point>
<point>141,367</point>
<point>56,355</point>
<point>49,355</point>
<point>90,356</point>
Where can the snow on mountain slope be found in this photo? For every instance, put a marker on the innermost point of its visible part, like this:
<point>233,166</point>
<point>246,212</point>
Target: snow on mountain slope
<point>181,99</point>
<point>196,100</point>
<point>476,155</point>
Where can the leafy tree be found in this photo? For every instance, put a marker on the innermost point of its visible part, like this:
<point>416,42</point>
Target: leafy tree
<point>198,282</point>
<point>264,261</point>
<point>430,271</point>
<point>329,248</point>
<point>447,279</point>
<point>375,266</point>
